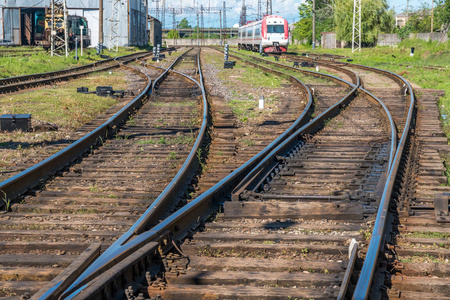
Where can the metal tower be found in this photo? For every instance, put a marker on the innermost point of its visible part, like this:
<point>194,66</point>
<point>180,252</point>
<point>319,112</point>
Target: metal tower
<point>269,7</point>
<point>157,11</point>
<point>59,16</point>
<point>356,34</point>
<point>243,18</point>
<point>114,25</point>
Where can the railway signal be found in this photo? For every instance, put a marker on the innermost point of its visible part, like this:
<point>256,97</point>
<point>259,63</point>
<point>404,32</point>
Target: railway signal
<point>226,52</point>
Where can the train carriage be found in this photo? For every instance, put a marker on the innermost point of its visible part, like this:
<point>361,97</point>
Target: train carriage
<point>272,33</point>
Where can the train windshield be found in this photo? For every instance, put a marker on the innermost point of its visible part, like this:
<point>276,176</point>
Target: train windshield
<point>275,28</point>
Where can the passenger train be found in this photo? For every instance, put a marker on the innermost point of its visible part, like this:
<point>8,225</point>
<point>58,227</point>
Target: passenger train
<point>272,32</point>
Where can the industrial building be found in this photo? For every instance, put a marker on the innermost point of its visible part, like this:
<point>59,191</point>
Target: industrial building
<point>124,21</point>
<point>154,31</point>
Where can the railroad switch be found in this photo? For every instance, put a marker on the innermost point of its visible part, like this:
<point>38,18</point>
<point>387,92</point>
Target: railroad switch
<point>102,91</point>
<point>229,64</point>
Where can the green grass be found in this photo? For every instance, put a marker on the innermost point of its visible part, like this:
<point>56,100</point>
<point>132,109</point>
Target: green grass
<point>61,104</point>
<point>428,234</point>
<point>244,74</point>
<point>398,60</point>
<point>243,109</point>
<point>308,79</point>
<point>41,62</point>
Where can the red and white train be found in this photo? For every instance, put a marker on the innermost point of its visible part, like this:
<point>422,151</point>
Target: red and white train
<point>272,32</point>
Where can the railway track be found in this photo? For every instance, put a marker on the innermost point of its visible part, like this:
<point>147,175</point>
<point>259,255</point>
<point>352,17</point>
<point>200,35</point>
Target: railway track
<point>38,151</point>
<point>308,214</point>
<point>103,194</point>
<point>175,257</point>
<point>20,83</point>
<point>415,261</point>
<point>22,52</point>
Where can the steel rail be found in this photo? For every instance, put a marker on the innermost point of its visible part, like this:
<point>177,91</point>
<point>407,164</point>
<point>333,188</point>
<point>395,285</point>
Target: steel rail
<point>22,182</point>
<point>37,76</point>
<point>176,226</point>
<point>255,177</point>
<point>14,84</point>
<point>357,81</point>
<point>366,276</point>
<point>59,287</point>
<point>364,285</point>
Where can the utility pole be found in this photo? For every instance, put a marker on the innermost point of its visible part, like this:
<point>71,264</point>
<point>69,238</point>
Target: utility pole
<point>259,10</point>
<point>407,11</point>
<point>100,22</point>
<point>225,19</point>
<point>198,32</point>
<point>432,15</point>
<point>173,19</point>
<point>356,33</point>
<point>202,30</point>
<point>220,32</point>
<point>59,16</point>
<point>163,13</point>
<point>314,25</point>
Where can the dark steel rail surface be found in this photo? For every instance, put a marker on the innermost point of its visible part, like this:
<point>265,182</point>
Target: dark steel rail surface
<point>173,190</point>
<point>22,182</point>
<point>364,285</point>
<point>176,226</point>
<point>103,280</point>
<point>254,178</point>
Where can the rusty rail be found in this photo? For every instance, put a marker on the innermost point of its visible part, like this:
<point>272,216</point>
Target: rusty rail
<point>22,182</point>
<point>364,285</point>
<point>177,225</point>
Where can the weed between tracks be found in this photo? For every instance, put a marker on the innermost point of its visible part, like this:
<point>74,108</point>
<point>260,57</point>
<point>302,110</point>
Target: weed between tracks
<point>424,258</point>
<point>61,104</point>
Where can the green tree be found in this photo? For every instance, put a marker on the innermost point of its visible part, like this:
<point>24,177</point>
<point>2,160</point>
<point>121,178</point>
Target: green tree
<point>420,20</point>
<point>375,19</point>
<point>173,34</point>
<point>324,19</point>
<point>442,14</point>
<point>184,24</point>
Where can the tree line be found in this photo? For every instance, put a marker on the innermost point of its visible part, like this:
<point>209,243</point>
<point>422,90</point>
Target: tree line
<point>376,18</point>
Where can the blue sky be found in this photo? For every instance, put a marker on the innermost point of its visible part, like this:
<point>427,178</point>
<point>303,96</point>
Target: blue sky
<point>284,8</point>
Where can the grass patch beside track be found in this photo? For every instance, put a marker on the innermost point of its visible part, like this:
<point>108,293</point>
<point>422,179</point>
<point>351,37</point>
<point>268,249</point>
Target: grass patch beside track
<point>61,104</point>
<point>41,62</point>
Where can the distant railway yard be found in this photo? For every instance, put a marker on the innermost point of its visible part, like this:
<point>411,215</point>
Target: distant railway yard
<point>310,174</point>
